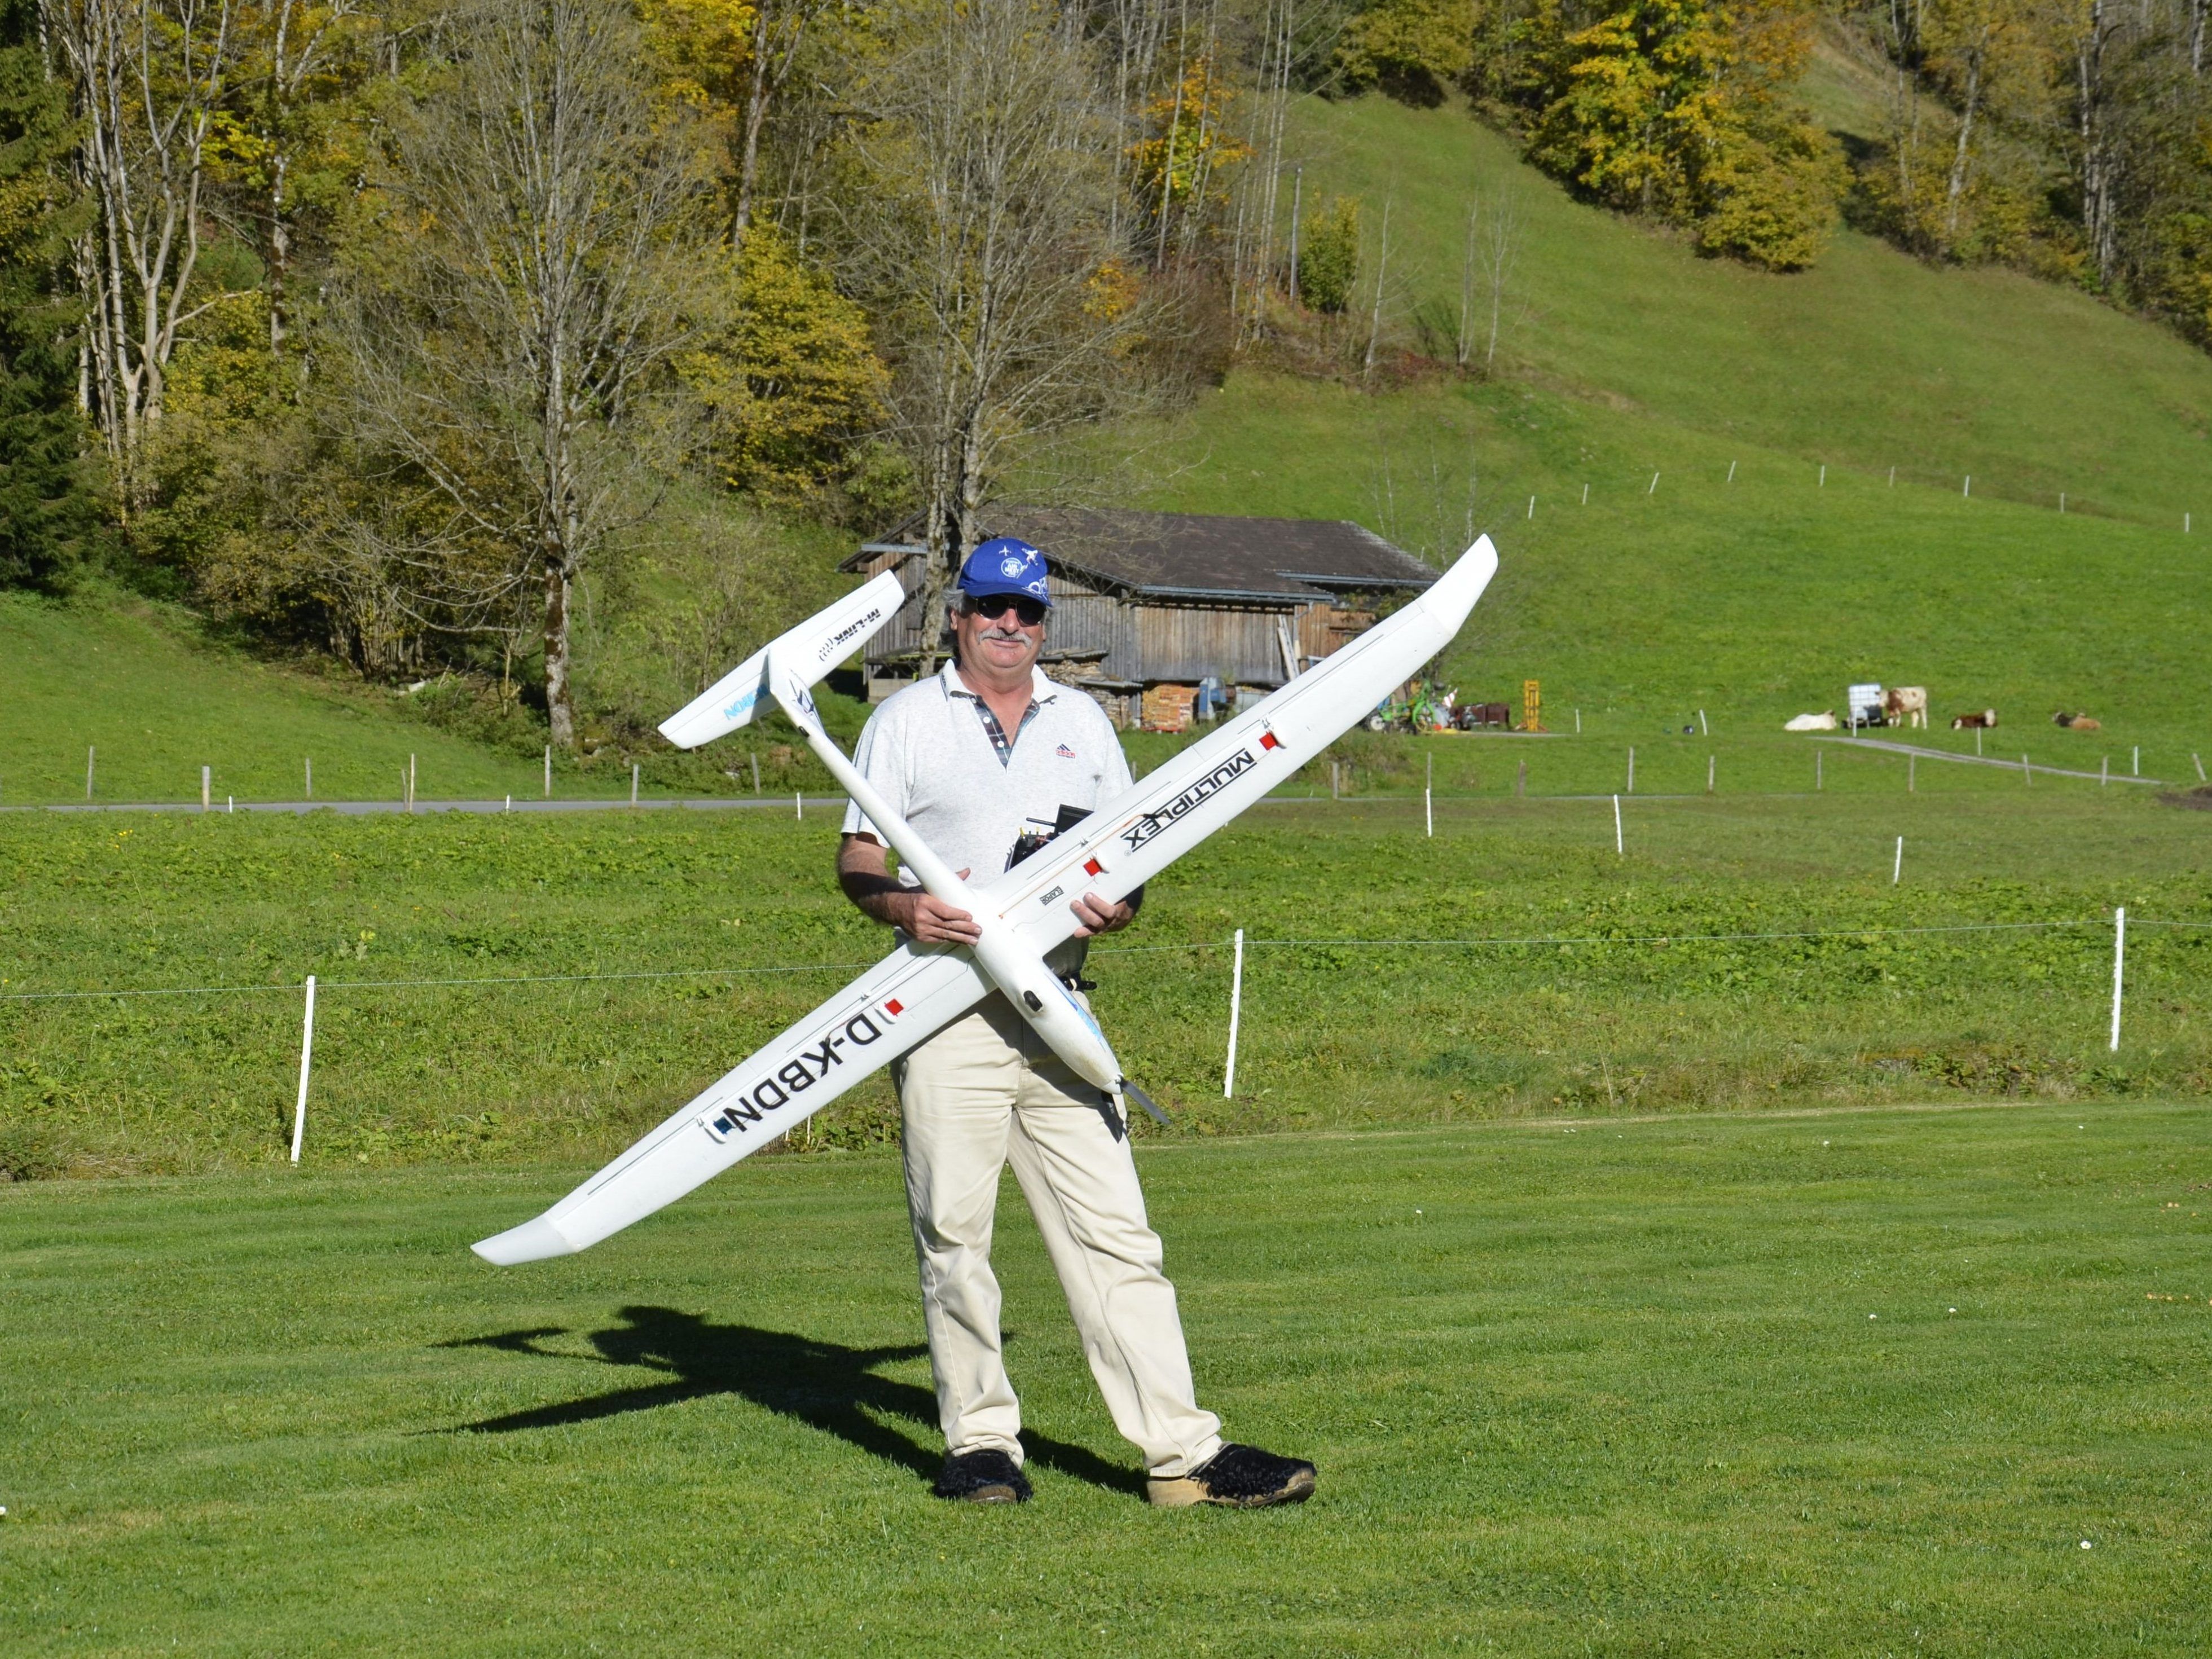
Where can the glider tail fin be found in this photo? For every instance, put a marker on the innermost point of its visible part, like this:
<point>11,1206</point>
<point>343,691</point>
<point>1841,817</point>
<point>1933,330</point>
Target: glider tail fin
<point>810,651</point>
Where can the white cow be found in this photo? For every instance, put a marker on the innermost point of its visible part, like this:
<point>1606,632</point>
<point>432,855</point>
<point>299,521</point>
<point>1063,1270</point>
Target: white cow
<point>1824,721</point>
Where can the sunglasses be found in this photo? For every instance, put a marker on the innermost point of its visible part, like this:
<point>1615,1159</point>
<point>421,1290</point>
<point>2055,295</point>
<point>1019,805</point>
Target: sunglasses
<point>992,606</point>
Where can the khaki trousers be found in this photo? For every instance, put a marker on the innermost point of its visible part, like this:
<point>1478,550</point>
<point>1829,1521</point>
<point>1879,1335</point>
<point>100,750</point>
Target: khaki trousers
<point>985,1092</point>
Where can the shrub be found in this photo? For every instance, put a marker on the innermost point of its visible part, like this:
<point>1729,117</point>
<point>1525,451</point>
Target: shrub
<point>1328,255</point>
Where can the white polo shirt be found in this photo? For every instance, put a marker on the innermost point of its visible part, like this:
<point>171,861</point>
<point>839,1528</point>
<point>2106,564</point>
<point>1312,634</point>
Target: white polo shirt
<point>930,756</point>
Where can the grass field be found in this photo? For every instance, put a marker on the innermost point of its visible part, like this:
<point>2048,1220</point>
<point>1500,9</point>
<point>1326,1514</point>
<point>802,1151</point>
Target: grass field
<point>1903,1382</point>
<point>1620,999</point>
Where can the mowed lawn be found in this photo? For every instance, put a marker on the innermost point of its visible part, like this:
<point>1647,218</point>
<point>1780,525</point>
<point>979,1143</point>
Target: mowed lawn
<point>1909,1381</point>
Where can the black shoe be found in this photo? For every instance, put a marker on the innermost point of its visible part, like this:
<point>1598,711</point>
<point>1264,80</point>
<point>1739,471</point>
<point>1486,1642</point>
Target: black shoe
<point>986,1476</point>
<point>1237,1478</point>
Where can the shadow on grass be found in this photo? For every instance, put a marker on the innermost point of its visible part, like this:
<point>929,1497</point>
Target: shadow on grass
<point>824,1385</point>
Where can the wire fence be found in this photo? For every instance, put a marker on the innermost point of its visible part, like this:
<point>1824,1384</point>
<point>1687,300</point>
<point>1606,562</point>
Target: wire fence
<point>1250,941</point>
<point>1234,947</point>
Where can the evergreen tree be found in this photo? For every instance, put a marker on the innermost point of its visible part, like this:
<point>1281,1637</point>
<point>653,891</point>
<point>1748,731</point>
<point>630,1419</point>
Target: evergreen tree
<point>47,510</point>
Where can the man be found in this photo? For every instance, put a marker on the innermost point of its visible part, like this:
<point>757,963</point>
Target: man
<point>977,758</point>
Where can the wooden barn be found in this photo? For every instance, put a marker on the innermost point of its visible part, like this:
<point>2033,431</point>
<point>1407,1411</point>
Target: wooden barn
<point>1154,612</point>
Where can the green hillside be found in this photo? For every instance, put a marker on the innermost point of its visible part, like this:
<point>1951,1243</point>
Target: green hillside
<point>157,700</point>
<point>1759,597</point>
<point>1870,359</point>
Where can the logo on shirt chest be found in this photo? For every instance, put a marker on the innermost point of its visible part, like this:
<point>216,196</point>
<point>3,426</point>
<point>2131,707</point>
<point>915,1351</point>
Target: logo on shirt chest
<point>1064,752</point>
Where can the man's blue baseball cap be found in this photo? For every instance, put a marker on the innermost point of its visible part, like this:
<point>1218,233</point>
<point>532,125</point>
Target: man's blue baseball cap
<point>1006,564</point>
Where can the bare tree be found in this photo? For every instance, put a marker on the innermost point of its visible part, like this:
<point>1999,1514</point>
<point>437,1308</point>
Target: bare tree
<point>981,233</point>
<point>288,45</point>
<point>149,77</point>
<point>1382,275</point>
<point>1498,255</point>
<point>779,31</point>
<point>505,347</point>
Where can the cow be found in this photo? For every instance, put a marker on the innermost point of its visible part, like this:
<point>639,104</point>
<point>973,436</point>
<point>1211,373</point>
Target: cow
<point>1981,720</point>
<point>2075,722</point>
<point>1823,722</point>
<point>1906,705</point>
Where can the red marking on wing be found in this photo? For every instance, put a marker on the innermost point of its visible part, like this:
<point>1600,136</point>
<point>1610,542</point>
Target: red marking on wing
<point>1269,740</point>
<point>1091,867</point>
<point>893,1008</point>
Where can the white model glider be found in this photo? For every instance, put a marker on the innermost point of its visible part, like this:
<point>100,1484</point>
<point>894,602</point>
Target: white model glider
<point>1024,912</point>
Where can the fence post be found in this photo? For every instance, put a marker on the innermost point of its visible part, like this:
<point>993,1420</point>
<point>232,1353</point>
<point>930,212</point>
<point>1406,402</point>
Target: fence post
<point>1235,1008</point>
<point>549,771</point>
<point>1521,782</point>
<point>633,783</point>
<point>410,783</point>
<point>1896,870</point>
<point>1429,798</point>
<point>1711,762</point>
<point>2120,961</point>
<point>307,1059</point>
<point>2199,765</point>
<point>1631,770</point>
<point>1619,846</point>
<point>1820,768</point>
<point>207,786</point>
<point>2103,770</point>
<point>1913,774</point>
<point>754,759</point>
<point>798,806</point>
<point>310,760</point>
<point>90,750</point>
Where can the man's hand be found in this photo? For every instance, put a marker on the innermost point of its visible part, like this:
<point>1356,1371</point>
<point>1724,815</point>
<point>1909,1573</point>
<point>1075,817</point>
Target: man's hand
<point>864,871</point>
<point>932,921</point>
<point>1094,915</point>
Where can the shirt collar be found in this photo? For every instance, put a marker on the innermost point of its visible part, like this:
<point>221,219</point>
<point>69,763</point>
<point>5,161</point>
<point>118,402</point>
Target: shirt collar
<point>1042,690</point>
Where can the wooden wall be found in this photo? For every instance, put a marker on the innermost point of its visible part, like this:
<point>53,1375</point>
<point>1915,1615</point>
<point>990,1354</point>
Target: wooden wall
<point>1146,643</point>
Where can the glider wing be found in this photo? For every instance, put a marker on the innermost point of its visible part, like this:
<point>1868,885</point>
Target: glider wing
<point>903,999</point>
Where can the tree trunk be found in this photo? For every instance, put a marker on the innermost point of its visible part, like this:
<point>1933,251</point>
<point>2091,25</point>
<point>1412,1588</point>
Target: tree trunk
<point>1958,187</point>
<point>560,705</point>
<point>756,112</point>
<point>2098,183</point>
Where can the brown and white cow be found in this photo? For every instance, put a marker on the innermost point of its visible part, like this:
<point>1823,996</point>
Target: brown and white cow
<point>1906,705</point>
<point>1981,720</point>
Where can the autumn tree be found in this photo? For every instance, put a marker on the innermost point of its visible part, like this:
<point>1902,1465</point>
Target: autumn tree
<point>507,342</point>
<point>980,232</point>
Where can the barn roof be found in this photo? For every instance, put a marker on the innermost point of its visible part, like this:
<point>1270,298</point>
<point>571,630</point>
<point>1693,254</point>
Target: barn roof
<point>1189,555</point>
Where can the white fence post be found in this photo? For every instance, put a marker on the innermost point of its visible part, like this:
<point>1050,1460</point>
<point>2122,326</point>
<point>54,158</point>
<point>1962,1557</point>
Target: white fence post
<point>1618,845</point>
<point>1896,870</point>
<point>633,783</point>
<point>207,786</point>
<point>91,751</point>
<point>307,1056</point>
<point>798,806</point>
<point>1429,797</point>
<point>2120,961</point>
<point>1235,1008</point>
<point>549,771</point>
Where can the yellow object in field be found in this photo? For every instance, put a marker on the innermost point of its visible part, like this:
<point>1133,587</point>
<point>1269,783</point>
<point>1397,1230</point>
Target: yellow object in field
<point>1532,707</point>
